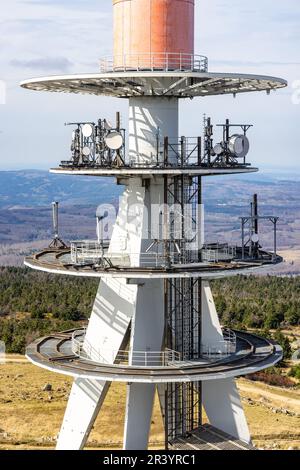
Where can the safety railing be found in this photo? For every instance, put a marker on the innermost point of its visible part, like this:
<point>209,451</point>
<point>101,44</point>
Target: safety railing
<point>164,61</point>
<point>88,251</point>
<point>171,153</point>
<point>93,252</point>
<point>83,349</point>
<point>222,348</point>
<point>218,252</point>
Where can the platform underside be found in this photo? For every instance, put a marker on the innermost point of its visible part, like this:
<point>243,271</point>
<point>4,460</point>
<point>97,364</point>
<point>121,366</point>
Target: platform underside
<point>253,354</point>
<point>180,84</point>
<point>207,437</point>
<point>58,261</point>
<point>127,172</point>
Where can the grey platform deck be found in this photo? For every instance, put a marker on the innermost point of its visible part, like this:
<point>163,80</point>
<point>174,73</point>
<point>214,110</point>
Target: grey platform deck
<point>253,354</point>
<point>125,84</point>
<point>127,172</point>
<point>207,437</point>
<point>59,262</point>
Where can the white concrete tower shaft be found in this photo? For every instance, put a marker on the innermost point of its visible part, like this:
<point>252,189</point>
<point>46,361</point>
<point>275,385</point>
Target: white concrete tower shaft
<point>150,120</point>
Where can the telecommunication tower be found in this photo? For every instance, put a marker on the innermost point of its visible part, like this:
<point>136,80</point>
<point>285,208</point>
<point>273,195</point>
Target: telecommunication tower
<point>154,324</point>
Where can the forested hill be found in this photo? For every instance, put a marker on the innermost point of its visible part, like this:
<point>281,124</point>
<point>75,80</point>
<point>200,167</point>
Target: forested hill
<point>33,304</point>
<point>258,302</point>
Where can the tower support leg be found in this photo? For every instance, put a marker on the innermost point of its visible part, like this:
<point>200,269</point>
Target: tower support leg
<point>139,408</point>
<point>220,398</point>
<point>107,333</point>
<point>211,330</point>
<point>85,401</point>
<point>223,407</point>
<point>146,335</point>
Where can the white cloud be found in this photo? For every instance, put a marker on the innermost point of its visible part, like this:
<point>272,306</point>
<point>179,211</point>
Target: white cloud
<point>56,64</point>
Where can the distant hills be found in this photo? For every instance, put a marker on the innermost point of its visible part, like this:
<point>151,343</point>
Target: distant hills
<point>36,188</point>
<point>26,196</point>
<point>29,188</point>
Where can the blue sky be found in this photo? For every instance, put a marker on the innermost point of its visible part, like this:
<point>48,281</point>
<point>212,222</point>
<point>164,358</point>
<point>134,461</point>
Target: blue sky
<point>45,37</point>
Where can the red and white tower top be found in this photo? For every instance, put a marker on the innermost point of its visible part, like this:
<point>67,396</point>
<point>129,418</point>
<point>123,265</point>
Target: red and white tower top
<point>167,30</point>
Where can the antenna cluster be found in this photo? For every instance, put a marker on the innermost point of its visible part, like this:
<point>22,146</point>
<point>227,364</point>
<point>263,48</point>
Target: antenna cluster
<point>231,149</point>
<point>97,144</point>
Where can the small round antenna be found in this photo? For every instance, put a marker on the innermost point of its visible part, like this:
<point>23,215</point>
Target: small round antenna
<point>218,149</point>
<point>86,151</point>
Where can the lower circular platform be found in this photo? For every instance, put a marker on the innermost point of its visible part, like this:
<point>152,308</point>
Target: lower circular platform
<point>149,172</point>
<point>253,353</point>
<point>58,261</point>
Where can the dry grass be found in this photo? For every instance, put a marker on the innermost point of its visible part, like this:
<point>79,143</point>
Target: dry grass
<point>31,418</point>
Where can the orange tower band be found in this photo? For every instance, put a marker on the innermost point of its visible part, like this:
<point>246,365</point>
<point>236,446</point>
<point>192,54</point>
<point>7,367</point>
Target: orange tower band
<point>153,33</point>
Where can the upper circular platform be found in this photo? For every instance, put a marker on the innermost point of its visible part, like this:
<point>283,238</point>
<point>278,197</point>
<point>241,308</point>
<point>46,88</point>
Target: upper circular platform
<point>137,83</point>
<point>60,261</point>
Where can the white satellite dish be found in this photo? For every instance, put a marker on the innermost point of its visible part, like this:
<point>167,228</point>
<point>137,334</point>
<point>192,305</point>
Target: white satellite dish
<point>86,151</point>
<point>239,145</point>
<point>87,130</point>
<point>218,149</point>
<point>114,140</point>
<point>255,238</point>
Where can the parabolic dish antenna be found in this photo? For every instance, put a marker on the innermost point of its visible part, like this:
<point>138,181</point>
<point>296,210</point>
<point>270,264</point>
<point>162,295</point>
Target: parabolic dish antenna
<point>239,145</point>
<point>86,151</point>
<point>87,130</point>
<point>114,140</point>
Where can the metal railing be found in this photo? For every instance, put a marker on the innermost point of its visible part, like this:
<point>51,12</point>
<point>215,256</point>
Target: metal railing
<point>87,252</point>
<point>164,61</point>
<point>222,348</point>
<point>83,349</point>
<point>93,252</point>
<point>218,252</point>
<point>171,153</point>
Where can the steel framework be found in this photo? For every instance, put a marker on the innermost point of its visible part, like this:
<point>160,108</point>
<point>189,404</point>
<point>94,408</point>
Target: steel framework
<point>183,308</point>
<point>183,410</point>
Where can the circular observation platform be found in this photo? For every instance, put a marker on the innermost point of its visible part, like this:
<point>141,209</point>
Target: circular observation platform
<point>151,171</point>
<point>252,354</point>
<point>87,263</point>
<point>152,82</point>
